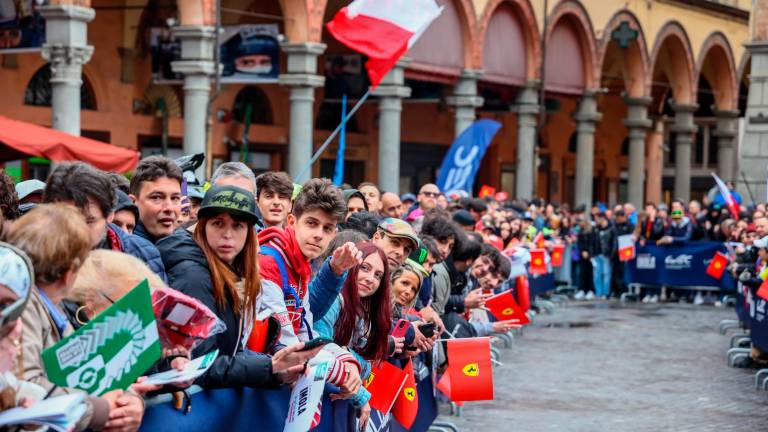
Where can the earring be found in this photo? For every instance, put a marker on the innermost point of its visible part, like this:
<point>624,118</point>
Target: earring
<point>77,316</point>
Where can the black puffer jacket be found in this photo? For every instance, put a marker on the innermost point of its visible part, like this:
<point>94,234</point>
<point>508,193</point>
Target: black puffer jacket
<point>607,243</point>
<point>188,272</point>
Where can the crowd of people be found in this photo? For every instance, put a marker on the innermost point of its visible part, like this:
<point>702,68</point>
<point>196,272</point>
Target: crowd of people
<point>312,260</point>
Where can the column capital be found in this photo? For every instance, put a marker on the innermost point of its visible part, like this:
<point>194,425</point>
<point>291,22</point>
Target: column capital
<point>68,12</point>
<point>638,101</point>
<point>301,80</point>
<point>460,101</point>
<point>59,55</point>
<point>727,114</point>
<point>194,67</point>
<point>587,112</point>
<point>527,101</point>
<point>682,108</point>
<point>757,47</point>
<point>302,57</point>
<point>392,91</point>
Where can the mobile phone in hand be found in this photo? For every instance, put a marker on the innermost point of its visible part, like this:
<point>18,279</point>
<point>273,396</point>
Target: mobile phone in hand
<point>401,328</point>
<point>316,342</point>
<point>428,329</point>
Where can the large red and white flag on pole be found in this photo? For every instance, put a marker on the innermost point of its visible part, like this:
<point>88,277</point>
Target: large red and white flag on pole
<point>383,30</point>
<point>733,206</point>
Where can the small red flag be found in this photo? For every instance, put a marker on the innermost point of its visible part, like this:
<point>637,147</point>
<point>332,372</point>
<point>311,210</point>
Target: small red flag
<point>523,291</point>
<point>444,385</point>
<point>557,255</point>
<point>539,240</point>
<point>486,191</point>
<point>469,368</point>
<point>503,307</point>
<point>717,266</point>
<point>538,263</point>
<point>384,383</point>
<point>762,292</point>
<point>626,247</point>
<point>407,403</point>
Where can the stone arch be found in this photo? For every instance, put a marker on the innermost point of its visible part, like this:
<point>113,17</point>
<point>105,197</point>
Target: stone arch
<point>470,58</point>
<point>716,63</point>
<point>39,91</point>
<point>523,11</point>
<point>570,16</point>
<point>636,63</point>
<point>672,51</point>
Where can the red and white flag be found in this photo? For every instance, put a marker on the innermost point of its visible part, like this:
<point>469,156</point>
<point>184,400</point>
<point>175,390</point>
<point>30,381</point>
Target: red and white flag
<point>626,247</point>
<point>383,30</point>
<point>731,203</point>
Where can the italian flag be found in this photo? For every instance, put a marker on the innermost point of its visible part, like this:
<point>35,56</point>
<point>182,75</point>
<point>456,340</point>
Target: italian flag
<point>626,247</point>
<point>731,203</point>
<point>383,30</point>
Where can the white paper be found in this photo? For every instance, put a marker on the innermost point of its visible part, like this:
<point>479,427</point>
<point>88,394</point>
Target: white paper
<point>180,314</point>
<point>60,413</point>
<point>192,370</point>
<point>306,395</point>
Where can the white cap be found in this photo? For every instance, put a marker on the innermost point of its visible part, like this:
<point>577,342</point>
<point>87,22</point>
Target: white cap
<point>28,187</point>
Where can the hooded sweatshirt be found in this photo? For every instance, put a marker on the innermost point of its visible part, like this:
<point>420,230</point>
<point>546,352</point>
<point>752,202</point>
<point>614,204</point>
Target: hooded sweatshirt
<point>293,305</point>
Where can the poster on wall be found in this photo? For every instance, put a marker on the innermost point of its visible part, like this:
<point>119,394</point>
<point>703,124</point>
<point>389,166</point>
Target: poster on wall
<point>22,28</point>
<point>249,53</point>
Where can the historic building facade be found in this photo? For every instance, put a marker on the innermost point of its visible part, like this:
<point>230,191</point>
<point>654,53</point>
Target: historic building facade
<point>599,99</point>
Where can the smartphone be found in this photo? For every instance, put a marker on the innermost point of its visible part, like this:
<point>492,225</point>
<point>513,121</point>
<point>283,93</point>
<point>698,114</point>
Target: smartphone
<point>401,328</point>
<point>316,342</point>
<point>428,329</point>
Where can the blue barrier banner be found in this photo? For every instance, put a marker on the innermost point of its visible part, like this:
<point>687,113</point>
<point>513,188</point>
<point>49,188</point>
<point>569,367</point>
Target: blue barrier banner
<point>539,284</point>
<point>677,265</point>
<point>758,320</point>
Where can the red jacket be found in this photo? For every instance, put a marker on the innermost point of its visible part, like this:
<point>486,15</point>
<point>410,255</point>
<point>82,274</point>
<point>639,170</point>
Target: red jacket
<point>298,269</point>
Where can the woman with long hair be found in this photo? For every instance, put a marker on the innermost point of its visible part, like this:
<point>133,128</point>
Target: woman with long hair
<point>216,262</point>
<point>361,317</point>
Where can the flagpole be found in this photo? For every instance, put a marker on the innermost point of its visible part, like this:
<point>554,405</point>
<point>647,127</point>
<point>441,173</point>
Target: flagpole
<point>333,135</point>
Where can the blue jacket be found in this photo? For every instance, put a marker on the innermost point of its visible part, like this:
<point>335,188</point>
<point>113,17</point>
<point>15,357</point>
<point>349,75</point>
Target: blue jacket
<point>680,231</point>
<point>141,249</point>
<point>141,231</point>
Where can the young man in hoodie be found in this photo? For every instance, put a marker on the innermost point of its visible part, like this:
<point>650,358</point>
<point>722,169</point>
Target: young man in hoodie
<point>92,192</point>
<point>289,293</point>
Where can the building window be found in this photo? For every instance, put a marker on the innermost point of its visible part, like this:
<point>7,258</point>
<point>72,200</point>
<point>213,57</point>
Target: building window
<point>252,99</point>
<point>40,93</point>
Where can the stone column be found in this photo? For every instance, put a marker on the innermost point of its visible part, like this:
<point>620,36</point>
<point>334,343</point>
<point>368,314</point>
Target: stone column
<point>655,163</point>
<point>586,118</point>
<point>197,66</point>
<point>66,48</point>
<point>301,80</point>
<point>465,100</point>
<point>391,92</point>
<point>527,108</point>
<point>684,128</point>
<point>725,133</point>
<point>637,122</point>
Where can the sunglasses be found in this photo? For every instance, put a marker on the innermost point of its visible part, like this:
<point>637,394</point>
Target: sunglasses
<point>431,194</point>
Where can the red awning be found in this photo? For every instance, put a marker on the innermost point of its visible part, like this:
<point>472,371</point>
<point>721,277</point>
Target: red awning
<point>19,140</point>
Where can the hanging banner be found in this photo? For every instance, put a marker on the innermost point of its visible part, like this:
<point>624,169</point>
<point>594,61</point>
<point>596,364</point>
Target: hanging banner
<point>250,53</point>
<point>459,168</point>
<point>22,28</point>
<point>111,351</point>
<point>677,265</point>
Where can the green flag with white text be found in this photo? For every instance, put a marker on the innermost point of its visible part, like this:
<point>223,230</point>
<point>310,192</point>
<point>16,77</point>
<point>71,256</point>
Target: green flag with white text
<point>111,351</point>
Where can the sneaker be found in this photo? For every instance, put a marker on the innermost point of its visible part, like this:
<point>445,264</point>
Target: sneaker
<point>590,296</point>
<point>654,299</point>
<point>646,299</point>
<point>699,299</point>
<point>579,295</point>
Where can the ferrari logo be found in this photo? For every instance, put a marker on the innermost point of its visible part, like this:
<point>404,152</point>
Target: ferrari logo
<point>369,380</point>
<point>471,370</point>
<point>556,255</point>
<point>718,265</point>
<point>410,393</point>
<point>537,261</point>
<point>508,311</point>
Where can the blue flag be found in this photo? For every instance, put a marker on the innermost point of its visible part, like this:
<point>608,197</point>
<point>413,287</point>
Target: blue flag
<point>460,165</point>
<point>338,174</point>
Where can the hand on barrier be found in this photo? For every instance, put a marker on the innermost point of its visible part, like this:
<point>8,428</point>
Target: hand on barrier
<point>127,416</point>
<point>745,276</point>
<point>505,326</point>
<point>289,363</point>
<point>352,383</point>
<point>475,299</point>
<point>421,342</point>
<point>365,415</point>
<point>345,257</point>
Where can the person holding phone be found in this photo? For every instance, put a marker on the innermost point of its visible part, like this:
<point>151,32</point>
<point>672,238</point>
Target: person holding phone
<point>360,317</point>
<point>216,262</point>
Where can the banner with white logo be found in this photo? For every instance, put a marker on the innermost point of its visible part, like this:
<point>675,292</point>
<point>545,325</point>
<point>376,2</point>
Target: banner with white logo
<point>677,265</point>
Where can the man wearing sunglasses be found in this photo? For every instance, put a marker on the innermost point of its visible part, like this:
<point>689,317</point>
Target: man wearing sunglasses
<point>426,200</point>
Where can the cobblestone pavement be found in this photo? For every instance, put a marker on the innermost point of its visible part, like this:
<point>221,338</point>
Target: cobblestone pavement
<point>607,367</point>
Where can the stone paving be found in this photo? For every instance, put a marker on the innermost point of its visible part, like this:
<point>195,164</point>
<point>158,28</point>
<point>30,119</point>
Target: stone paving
<point>607,367</point>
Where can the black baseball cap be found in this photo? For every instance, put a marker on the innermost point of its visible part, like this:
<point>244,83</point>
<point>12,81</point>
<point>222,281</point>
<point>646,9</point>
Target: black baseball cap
<point>236,201</point>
